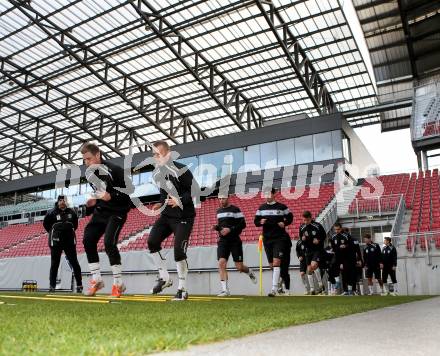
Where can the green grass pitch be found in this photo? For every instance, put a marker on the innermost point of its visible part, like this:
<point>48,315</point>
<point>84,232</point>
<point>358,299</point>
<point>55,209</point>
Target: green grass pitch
<point>133,328</point>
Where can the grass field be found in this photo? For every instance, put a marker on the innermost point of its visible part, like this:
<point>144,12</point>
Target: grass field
<point>140,326</point>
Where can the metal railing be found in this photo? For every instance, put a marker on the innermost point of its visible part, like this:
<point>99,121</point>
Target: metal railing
<point>329,218</point>
<point>376,206</point>
<point>398,219</point>
<point>424,242</point>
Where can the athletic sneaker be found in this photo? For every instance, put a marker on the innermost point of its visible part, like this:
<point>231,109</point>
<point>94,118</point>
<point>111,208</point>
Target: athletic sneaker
<point>281,291</point>
<point>180,295</point>
<point>252,276</point>
<point>394,294</point>
<point>224,293</point>
<point>384,294</point>
<point>312,292</point>
<point>79,289</point>
<point>307,292</point>
<point>161,285</point>
<point>117,290</point>
<point>273,293</point>
<point>94,286</point>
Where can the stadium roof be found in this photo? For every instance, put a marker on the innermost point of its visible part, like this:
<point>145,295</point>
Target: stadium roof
<point>121,72</point>
<point>403,37</point>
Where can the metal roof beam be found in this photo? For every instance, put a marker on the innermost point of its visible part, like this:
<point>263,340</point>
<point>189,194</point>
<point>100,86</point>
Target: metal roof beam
<point>296,56</point>
<point>175,115</point>
<point>243,114</point>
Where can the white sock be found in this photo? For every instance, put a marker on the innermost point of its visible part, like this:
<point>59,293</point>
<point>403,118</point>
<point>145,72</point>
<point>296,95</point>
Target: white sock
<point>117,274</point>
<point>350,288</point>
<point>161,265</point>
<point>275,278</point>
<point>370,289</point>
<point>318,276</point>
<point>311,281</point>
<point>182,273</point>
<point>387,287</point>
<point>95,271</point>
<point>337,279</point>
<point>395,287</point>
<point>224,285</point>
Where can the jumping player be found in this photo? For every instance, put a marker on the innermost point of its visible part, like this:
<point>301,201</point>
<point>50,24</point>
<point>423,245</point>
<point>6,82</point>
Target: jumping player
<point>175,181</point>
<point>313,235</point>
<point>274,217</point>
<point>109,205</point>
<point>230,223</point>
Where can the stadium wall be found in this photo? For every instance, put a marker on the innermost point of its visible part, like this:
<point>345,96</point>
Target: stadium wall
<point>415,276</point>
<point>362,163</point>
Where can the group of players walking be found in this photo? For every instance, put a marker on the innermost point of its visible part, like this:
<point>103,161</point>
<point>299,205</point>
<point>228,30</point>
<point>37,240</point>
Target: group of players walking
<point>110,204</point>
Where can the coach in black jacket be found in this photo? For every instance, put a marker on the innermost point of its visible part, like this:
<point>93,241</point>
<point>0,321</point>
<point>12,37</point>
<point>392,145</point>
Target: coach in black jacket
<point>61,223</point>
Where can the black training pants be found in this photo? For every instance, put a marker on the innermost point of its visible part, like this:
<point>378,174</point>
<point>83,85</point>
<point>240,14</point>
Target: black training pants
<point>55,255</point>
<point>109,225</point>
<point>388,271</point>
<point>164,227</point>
<point>348,274</point>
<point>285,263</point>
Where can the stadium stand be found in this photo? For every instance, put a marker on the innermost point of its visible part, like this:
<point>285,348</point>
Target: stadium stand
<point>34,243</point>
<point>13,235</point>
<point>31,240</point>
<point>421,193</point>
<point>27,207</point>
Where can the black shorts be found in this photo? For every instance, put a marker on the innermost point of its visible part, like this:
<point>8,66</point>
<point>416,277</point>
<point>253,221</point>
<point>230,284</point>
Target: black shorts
<point>227,247</point>
<point>373,271</point>
<point>303,266</point>
<point>388,271</point>
<point>314,255</point>
<point>276,248</point>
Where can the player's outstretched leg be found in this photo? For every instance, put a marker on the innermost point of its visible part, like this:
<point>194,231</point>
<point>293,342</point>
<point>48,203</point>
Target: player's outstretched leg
<point>111,235</point>
<point>92,233</point>
<point>242,268</point>
<point>182,232</point>
<point>160,231</point>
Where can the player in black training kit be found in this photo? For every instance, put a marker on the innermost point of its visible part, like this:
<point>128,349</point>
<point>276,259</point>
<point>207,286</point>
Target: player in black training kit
<point>345,254</point>
<point>359,265</point>
<point>230,224</point>
<point>313,235</point>
<point>328,262</point>
<point>389,265</point>
<point>301,254</point>
<point>372,260</point>
<point>61,223</point>
<point>109,204</point>
<point>175,181</point>
<point>274,217</point>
